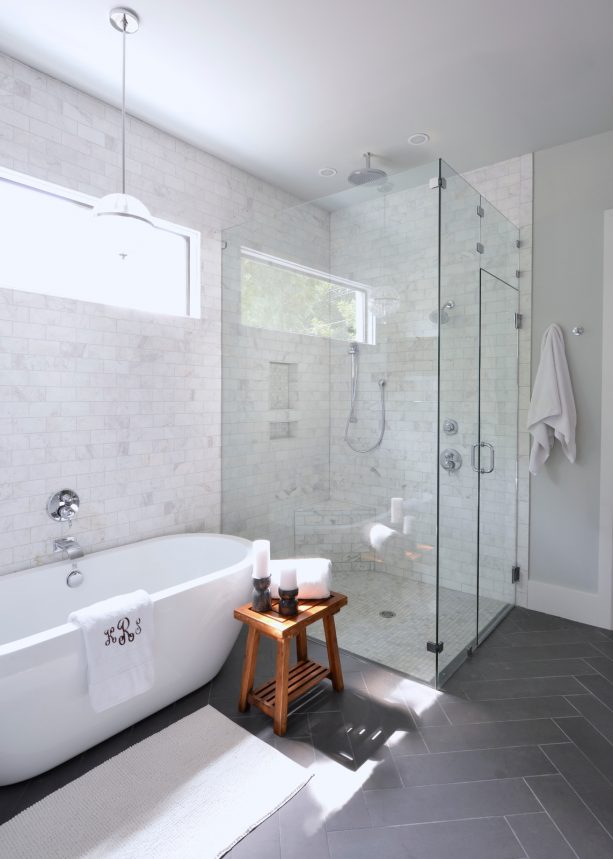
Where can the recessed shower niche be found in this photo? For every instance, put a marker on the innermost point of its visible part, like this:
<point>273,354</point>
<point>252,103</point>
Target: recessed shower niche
<point>309,355</point>
<point>282,398</point>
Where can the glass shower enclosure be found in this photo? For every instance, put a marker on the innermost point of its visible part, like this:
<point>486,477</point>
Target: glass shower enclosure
<point>369,407</point>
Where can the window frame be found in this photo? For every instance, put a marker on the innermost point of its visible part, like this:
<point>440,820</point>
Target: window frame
<point>192,237</point>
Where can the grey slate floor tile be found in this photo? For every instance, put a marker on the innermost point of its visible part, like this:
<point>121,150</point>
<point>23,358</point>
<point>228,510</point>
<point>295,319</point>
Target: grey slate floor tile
<point>597,713</point>
<point>487,838</point>
<point>593,788</point>
<point>428,803</point>
<point>531,687</point>
<point>600,687</point>
<point>540,837</point>
<point>512,760</point>
<point>474,765</point>
<point>573,818</point>
<point>591,742</point>
<point>492,735</point>
<point>487,669</point>
<point>508,710</point>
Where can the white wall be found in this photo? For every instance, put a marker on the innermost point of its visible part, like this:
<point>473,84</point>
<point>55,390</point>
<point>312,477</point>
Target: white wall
<point>573,186</point>
<point>122,406</point>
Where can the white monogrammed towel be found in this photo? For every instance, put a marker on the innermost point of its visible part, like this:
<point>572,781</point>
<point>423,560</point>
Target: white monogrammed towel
<point>118,636</point>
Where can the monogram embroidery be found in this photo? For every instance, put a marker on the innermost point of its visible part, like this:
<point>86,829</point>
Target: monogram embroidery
<point>124,635</point>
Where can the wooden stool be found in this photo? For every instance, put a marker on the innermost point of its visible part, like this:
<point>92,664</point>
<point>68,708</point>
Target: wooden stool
<point>288,683</point>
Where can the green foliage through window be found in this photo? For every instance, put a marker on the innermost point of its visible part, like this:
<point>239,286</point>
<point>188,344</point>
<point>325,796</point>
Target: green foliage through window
<point>280,297</point>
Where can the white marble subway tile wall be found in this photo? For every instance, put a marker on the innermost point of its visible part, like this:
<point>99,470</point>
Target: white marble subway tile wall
<point>123,406</point>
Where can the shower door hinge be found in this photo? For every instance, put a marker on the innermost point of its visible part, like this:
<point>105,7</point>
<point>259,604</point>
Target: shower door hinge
<point>517,273</point>
<point>434,646</point>
<point>518,320</point>
<point>480,211</point>
<point>517,243</point>
<point>514,575</point>
<point>224,245</point>
<point>480,248</point>
<point>437,182</point>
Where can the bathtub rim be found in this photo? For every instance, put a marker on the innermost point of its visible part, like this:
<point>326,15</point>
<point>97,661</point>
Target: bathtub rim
<point>71,628</point>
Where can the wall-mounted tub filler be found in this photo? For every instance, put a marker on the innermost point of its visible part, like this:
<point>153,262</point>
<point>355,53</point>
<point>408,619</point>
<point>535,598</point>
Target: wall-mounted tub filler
<point>63,506</point>
<point>68,545</point>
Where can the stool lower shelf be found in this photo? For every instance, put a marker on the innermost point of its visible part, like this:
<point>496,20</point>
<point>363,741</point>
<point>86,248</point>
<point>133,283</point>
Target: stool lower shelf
<point>304,675</point>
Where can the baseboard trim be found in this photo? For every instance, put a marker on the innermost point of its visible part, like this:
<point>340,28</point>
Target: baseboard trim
<point>582,606</point>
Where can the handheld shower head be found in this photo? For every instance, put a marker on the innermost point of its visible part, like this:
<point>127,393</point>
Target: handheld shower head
<point>367,173</point>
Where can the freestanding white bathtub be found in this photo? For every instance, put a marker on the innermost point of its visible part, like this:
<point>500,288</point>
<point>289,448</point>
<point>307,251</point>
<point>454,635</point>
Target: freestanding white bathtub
<point>195,581</point>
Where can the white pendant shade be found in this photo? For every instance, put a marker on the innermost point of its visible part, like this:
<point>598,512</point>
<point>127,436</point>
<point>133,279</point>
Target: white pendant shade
<point>122,216</point>
<point>122,205</point>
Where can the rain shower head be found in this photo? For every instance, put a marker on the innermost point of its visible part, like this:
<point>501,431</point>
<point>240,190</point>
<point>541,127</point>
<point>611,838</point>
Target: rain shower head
<point>367,173</point>
<point>442,315</point>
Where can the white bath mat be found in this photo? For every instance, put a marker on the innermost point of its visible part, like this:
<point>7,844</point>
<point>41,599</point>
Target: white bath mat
<point>192,790</point>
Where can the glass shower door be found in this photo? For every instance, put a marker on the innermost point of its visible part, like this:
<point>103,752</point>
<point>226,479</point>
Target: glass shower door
<point>494,456</point>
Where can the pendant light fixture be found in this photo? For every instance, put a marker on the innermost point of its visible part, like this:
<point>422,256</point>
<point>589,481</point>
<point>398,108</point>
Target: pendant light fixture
<point>123,218</point>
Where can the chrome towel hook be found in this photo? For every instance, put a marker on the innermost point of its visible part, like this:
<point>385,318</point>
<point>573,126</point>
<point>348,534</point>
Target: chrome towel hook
<point>578,330</point>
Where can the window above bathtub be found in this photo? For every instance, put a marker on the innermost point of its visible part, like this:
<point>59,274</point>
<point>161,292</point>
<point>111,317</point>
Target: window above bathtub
<point>50,244</point>
<point>281,295</point>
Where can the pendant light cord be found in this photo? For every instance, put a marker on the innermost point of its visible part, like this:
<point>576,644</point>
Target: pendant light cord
<point>123,110</point>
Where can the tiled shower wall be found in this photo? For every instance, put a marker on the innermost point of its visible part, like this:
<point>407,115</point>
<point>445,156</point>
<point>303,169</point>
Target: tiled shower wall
<point>122,406</point>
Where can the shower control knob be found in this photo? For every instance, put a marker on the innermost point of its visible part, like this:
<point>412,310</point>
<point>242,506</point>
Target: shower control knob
<point>450,460</point>
<point>450,427</point>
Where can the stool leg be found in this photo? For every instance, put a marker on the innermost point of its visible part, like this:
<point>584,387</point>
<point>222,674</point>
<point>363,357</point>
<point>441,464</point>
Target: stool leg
<point>281,686</point>
<point>301,646</point>
<point>251,654</point>
<point>334,660</point>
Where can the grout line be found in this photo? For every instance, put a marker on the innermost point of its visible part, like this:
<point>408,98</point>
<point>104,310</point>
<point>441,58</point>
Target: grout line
<point>519,841</point>
<point>592,725</point>
<point>419,732</point>
<point>602,652</point>
<point>549,815</point>
<point>581,800</point>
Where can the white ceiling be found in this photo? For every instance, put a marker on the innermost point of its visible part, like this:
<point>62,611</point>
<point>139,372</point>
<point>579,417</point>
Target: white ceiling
<point>282,88</point>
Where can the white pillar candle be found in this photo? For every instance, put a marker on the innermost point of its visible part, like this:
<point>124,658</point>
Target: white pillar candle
<point>396,511</point>
<point>288,580</point>
<point>261,559</point>
<point>407,524</point>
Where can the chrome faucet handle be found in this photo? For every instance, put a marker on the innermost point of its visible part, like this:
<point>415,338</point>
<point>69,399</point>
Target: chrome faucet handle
<point>63,506</point>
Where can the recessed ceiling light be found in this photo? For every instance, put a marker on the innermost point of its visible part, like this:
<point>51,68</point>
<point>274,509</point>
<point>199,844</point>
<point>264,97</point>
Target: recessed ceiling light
<point>419,138</point>
<point>328,171</point>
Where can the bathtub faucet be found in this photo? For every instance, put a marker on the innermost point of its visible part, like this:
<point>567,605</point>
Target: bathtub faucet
<point>68,545</point>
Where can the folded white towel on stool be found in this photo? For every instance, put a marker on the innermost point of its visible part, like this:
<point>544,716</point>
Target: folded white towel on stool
<point>313,575</point>
<point>552,414</point>
<point>118,636</point>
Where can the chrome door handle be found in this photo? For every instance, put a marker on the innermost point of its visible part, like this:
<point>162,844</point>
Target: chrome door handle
<point>473,458</point>
<point>493,459</point>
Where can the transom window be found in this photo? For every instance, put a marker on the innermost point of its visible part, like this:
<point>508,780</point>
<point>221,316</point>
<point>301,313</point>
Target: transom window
<point>281,295</point>
<point>51,244</point>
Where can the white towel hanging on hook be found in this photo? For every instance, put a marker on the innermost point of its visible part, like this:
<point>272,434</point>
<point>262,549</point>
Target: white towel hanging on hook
<point>552,414</point>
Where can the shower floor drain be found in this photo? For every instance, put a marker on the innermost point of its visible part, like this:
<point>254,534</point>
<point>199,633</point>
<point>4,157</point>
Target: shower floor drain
<point>387,614</point>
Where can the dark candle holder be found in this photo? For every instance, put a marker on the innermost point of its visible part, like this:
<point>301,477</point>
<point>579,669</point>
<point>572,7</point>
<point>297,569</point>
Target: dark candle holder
<point>260,598</point>
<point>288,604</point>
